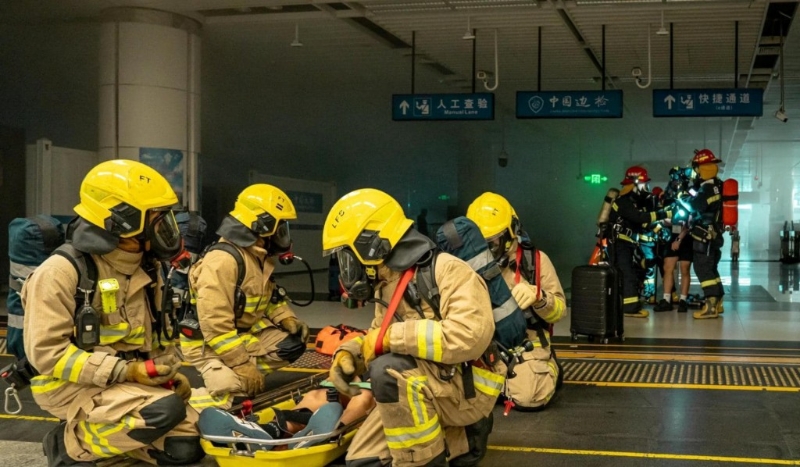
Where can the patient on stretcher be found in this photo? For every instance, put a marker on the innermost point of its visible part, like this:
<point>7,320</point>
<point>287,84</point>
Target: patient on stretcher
<point>320,411</point>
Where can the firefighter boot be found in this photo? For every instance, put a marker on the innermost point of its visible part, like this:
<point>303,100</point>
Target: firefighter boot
<point>709,310</point>
<point>56,451</point>
<point>720,308</point>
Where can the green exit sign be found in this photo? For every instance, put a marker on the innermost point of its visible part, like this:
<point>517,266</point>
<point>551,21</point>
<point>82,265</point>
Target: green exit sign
<point>595,179</point>
<point>444,197</point>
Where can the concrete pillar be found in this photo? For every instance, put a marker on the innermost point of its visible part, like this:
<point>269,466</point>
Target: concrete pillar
<point>150,94</point>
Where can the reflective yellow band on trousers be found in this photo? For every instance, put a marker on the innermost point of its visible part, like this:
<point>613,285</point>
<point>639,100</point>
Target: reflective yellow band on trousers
<point>188,343</point>
<point>408,437</point>
<point>69,366</point>
<point>225,342</point>
<point>203,402</point>
<point>96,436</point>
<point>416,400</point>
<point>429,340</point>
<point>487,382</point>
<point>629,300</point>
<point>711,282</point>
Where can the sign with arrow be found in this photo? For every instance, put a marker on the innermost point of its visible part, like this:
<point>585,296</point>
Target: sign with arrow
<point>419,107</point>
<point>708,103</point>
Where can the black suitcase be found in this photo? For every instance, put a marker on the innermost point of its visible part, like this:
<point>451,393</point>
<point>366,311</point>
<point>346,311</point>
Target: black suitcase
<point>596,303</point>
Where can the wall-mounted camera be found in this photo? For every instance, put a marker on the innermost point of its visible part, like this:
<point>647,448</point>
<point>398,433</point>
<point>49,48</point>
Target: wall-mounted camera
<point>502,159</point>
<point>780,114</point>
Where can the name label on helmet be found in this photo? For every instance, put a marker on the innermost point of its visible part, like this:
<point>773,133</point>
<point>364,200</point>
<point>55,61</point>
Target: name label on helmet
<point>146,179</point>
<point>337,219</point>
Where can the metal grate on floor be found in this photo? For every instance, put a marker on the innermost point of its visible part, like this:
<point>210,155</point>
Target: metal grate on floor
<point>682,373</point>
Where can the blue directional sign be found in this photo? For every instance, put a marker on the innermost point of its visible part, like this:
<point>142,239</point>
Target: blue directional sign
<point>708,103</point>
<point>569,104</point>
<point>417,107</point>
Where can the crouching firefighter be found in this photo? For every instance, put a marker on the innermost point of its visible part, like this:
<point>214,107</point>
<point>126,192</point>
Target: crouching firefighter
<point>535,286</point>
<point>90,327</point>
<point>246,328</point>
<point>434,385</point>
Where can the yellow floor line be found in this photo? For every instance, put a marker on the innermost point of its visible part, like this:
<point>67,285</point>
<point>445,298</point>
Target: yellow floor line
<point>684,386</point>
<point>648,455</point>
<point>29,418</point>
<point>677,357</point>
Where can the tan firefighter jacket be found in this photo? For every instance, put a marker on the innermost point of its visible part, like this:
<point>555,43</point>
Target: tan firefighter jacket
<point>48,297</point>
<point>213,284</point>
<point>553,305</point>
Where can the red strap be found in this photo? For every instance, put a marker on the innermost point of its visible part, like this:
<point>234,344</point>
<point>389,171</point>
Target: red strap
<point>150,368</point>
<point>519,265</point>
<point>387,318</point>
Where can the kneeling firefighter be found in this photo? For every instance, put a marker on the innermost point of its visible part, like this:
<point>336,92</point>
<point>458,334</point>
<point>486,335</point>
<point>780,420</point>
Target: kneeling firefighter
<point>630,217</point>
<point>91,314</point>
<point>247,328</point>
<point>434,383</point>
<point>534,284</point>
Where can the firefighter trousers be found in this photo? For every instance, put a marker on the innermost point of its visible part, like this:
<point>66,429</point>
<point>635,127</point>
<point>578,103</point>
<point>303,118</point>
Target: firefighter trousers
<point>706,261</point>
<point>623,260</point>
<point>422,415</point>
<point>270,349</point>
<point>151,424</point>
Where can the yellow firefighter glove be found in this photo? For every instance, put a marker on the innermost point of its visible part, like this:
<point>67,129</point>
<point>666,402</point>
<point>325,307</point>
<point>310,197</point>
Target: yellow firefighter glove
<point>368,346</point>
<point>295,327</point>
<point>181,386</point>
<point>524,294</point>
<point>136,372</point>
<point>251,379</point>
<point>342,373</point>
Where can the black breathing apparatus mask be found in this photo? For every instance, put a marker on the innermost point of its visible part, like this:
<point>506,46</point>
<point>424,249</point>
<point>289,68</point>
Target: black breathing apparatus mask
<point>162,239</point>
<point>357,279</point>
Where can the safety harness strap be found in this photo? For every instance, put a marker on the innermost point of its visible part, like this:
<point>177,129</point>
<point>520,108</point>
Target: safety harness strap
<point>396,298</point>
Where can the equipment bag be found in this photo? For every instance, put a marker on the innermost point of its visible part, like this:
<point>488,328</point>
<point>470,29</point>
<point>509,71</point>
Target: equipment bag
<point>330,338</point>
<point>463,239</point>
<point>30,241</point>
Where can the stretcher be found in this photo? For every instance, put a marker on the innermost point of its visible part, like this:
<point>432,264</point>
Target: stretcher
<point>237,452</point>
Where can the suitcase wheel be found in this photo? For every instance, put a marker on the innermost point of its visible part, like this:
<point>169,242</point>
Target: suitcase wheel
<point>574,337</point>
<point>605,340</point>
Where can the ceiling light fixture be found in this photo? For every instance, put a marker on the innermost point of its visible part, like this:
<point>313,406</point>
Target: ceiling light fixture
<point>296,42</point>
<point>469,36</point>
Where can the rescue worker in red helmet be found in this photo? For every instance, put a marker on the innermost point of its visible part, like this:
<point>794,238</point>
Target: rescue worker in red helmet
<point>629,218</point>
<point>706,231</point>
<point>109,387</point>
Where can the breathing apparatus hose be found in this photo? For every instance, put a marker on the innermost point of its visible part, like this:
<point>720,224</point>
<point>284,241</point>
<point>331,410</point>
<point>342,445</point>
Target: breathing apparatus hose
<point>287,259</point>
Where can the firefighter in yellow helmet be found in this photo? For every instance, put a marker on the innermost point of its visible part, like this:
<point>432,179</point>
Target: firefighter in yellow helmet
<point>534,284</point>
<point>434,389</point>
<point>118,390</point>
<point>247,328</point>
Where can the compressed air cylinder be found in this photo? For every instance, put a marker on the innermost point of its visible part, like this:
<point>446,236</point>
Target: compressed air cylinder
<point>605,209</point>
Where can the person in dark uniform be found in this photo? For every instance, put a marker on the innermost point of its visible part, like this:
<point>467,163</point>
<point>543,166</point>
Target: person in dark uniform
<point>629,218</point>
<point>678,247</point>
<point>706,231</point>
